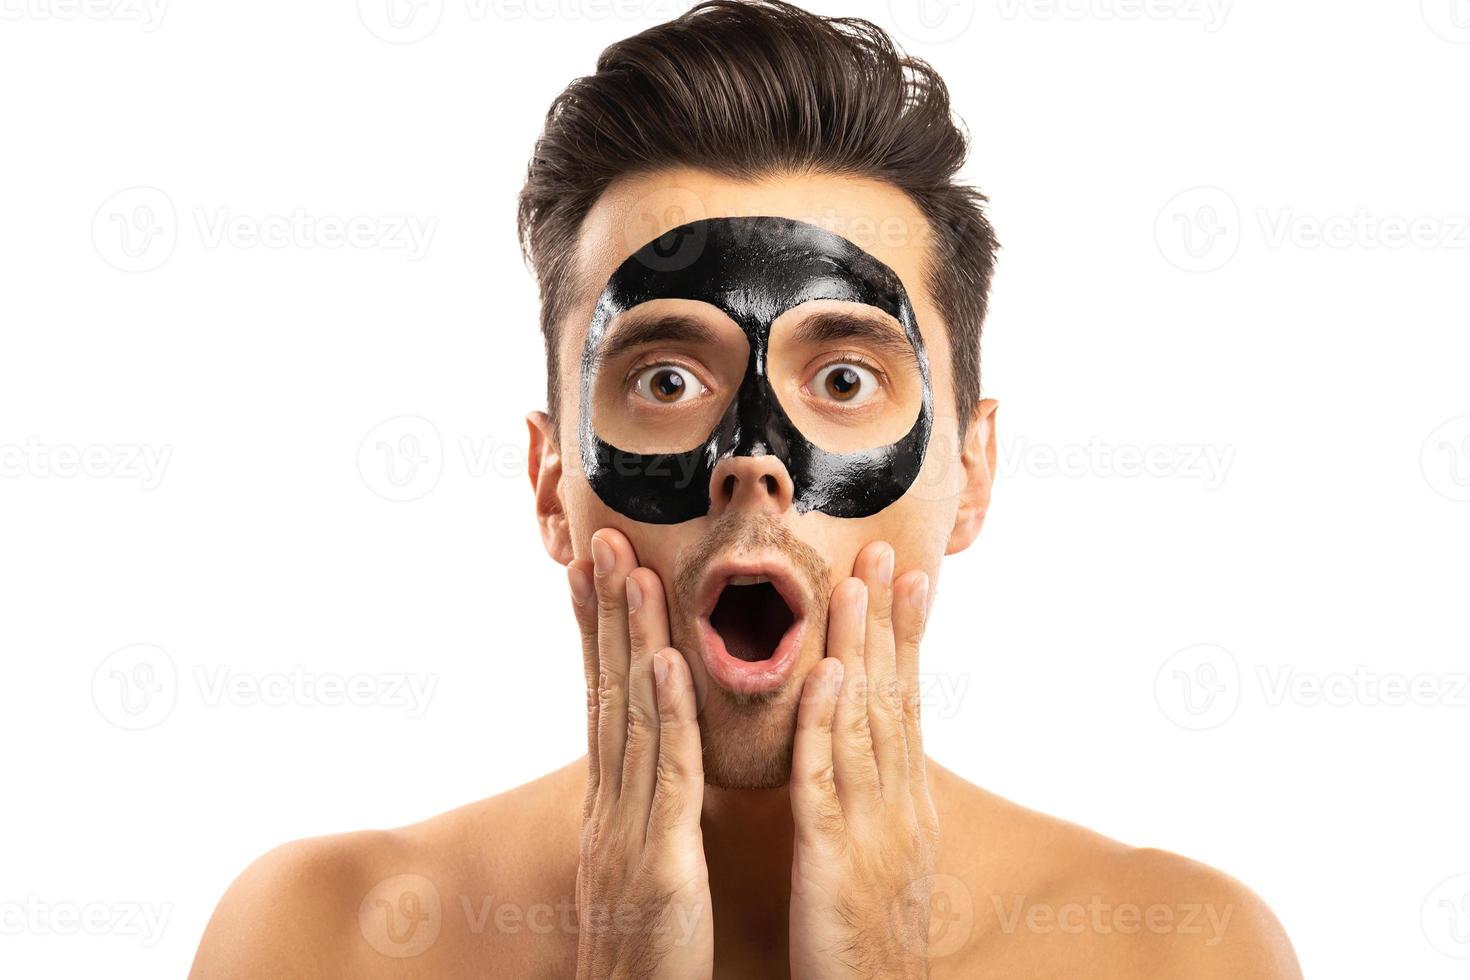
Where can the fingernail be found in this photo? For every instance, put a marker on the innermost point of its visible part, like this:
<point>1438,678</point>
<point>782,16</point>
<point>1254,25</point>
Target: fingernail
<point>635,594</point>
<point>862,602</point>
<point>602,557</point>
<point>581,585</point>
<point>660,666</point>
<point>885,567</point>
<point>920,595</point>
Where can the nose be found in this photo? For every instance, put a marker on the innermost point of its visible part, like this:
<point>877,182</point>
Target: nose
<point>750,483</point>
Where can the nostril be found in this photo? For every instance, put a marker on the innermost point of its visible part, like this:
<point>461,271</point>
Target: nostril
<point>759,482</point>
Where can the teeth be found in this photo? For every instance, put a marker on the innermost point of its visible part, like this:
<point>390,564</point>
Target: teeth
<point>748,579</point>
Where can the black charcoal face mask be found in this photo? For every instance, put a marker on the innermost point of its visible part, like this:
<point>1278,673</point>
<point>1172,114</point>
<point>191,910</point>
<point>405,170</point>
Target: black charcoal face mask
<point>754,269</point>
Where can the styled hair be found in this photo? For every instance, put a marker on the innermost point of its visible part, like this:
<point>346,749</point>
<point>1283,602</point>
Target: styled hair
<point>747,89</point>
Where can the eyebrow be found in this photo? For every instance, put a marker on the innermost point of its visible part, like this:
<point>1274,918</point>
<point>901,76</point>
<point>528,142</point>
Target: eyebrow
<point>833,327</point>
<point>647,331</point>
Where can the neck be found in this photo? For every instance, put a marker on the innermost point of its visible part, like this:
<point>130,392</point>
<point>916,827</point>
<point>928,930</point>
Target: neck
<point>739,815</point>
<point>747,848</point>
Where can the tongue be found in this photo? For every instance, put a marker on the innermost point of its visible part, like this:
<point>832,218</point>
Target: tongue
<point>751,619</point>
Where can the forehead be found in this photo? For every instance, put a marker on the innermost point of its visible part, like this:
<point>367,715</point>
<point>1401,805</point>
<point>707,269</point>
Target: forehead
<point>876,217</point>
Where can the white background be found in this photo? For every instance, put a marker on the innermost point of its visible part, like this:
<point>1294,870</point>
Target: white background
<point>1275,322</point>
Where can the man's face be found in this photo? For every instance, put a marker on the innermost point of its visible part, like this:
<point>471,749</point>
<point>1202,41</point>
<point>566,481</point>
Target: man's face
<point>750,408</point>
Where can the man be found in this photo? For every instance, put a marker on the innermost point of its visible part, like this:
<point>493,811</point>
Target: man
<point>762,297</point>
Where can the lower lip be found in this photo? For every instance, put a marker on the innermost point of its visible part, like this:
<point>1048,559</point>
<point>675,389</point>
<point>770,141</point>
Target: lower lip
<point>749,676</point>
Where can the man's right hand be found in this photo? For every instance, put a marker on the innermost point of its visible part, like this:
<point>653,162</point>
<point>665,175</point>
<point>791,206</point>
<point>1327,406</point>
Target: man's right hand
<point>643,901</point>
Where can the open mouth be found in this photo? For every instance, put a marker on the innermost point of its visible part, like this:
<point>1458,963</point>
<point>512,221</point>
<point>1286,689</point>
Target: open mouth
<point>751,625</point>
<point>751,618</point>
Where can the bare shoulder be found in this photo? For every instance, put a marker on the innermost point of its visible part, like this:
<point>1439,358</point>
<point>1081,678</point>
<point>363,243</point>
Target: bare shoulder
<point>429,899</point>
<point>1020,892</point>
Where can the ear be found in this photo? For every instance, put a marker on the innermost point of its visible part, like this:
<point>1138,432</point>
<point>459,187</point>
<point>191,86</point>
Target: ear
<point>977,468</point>
<point>543,466</point>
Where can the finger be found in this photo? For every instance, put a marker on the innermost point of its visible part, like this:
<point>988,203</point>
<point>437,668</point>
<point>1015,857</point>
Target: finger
<point>648,633</point>
<point>885,707</point>
<point>678,796</point>
<point>815,808</point>
<point>855,769</point>
<point>584,607</point>
<point>612,560</point>
<point>910,616</point>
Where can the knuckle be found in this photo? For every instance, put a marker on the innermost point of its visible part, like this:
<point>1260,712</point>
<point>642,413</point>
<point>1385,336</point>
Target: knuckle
<point>824,778</point>
<point>668,799</point>
<point>641,718</point>
<point>890,695</point>
<point>828,819</point>
<point>670,778</point>
<point>912,705</point>
<point>609,687</point>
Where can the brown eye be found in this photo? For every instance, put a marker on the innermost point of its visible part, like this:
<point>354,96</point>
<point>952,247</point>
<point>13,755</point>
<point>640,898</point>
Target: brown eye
<point>667,384</point>
<point>845,383</point>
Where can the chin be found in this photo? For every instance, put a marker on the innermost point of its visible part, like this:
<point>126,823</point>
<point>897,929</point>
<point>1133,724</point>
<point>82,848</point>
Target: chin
<point>747,746</point>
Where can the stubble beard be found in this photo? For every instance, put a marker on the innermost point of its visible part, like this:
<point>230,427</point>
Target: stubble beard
<point>747,739</point>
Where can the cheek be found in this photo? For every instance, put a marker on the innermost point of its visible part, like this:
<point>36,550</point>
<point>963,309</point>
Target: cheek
<point>918,529</point>
<point>919,523</point>
<point>657,547</point>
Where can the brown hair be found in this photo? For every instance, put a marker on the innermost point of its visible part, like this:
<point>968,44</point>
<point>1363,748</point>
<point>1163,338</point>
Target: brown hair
<point>747,88</point>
